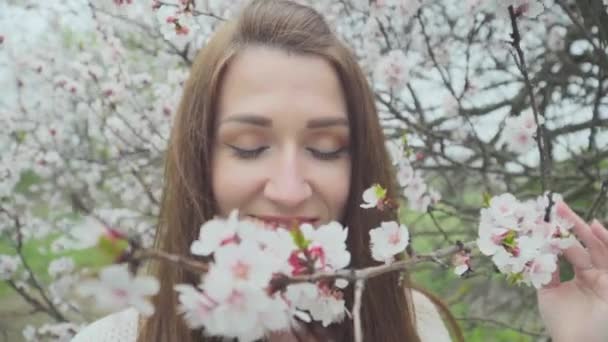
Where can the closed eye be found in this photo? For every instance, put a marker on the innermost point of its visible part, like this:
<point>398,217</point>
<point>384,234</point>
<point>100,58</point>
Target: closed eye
<point>327,155</point>
<point>252,154</point>
<point>247,154</point>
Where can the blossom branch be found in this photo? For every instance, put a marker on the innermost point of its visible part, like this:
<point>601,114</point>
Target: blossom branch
<point>540,137</point>
<point>28,298</point>
<point>374,271</point>
<point>190,7</point>
<point>178,260</point>
<point>51,309</point>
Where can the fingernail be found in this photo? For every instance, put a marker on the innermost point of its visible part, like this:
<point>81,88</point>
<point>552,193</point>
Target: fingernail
<point>561,208</point>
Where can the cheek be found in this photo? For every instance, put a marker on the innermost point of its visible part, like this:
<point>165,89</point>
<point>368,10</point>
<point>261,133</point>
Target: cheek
<point>334,184</point>
<point>231,186</point>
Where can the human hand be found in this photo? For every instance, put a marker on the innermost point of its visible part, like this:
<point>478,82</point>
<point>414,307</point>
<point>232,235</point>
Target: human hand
<point>577,310</point>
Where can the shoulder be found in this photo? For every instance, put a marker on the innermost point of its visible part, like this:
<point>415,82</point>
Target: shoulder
<point>117,327</point>
<point>429,323</point>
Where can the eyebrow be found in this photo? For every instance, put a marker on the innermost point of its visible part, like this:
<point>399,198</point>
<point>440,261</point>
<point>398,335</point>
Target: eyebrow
<point>262,121</point>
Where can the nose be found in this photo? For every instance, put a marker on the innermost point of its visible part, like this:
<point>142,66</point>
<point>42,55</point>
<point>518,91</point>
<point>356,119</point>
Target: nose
<point>287,186</point>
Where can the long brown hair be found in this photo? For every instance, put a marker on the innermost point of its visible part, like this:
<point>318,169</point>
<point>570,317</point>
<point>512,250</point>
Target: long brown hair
<point>188,200</point>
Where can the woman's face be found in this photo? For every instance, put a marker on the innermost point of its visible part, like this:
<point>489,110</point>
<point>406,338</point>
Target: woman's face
<point>281,146</point>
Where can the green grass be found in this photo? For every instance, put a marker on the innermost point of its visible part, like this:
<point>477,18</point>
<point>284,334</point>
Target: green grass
<point>38,256</point>
<point>37,252</point>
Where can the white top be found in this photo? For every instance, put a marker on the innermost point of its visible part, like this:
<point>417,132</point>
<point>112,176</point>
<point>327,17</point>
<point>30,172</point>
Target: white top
<point>122,326</point>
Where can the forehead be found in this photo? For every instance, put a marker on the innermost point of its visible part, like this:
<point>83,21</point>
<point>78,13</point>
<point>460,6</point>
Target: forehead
<point>277,84</point>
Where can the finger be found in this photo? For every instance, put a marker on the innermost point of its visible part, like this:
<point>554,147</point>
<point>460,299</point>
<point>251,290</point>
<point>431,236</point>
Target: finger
<point>600,255</point>
<point>600,232</point>
<point>578,257</point>
<point>581,229</point>
<point>555,280</point>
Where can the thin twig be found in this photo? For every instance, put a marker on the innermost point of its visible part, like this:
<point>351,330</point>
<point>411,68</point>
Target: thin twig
<point>601,196</point>
<point>178,260</point>
<point>51,309</point>
<point>540,136</point>
<point>438,226</point>
<point>145,186</point>
<point>603,57</point>
<point>26,296</point>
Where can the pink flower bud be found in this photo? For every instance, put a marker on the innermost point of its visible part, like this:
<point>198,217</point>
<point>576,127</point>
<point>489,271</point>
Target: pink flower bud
<point>233,239</point>
<point>521,9</point>
<point>297,263</point>
<point>122,2</point>
<point>114,234</point>
<point>317,253</point>
<point>183,30</point>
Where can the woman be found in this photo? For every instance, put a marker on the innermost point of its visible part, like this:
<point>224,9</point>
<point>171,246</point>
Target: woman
<point>278,120</point>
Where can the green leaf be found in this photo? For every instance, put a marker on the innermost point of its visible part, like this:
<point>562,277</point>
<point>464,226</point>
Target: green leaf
<point>379,191</point>
<point>404,140</point>
<point>509,240</point>
<point>299,239</point>
<point>486,199</point>
<point>112,246</point>
<point>515,278</point>
<point>20,136</point>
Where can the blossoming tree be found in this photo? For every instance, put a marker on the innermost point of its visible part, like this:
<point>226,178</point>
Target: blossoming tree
<point>495,111</point>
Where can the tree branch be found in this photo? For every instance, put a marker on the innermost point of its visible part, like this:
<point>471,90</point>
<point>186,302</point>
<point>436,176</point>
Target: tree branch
<point>540,136</point>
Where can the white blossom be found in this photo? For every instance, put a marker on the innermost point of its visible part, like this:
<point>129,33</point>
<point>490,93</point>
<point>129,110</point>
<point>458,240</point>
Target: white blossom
<point>29,333</point>
<point>392,70</point>
<point>8,266</point>
<point>372,196</point>
<point>61,266</point>
<point>175,25</point>
<point>388,240</point>
<point>215,233</point>
<point>520,132</point>
<point>527,8</point>
<point>323,303</point>
<point>246,264</point>
<point>521,241</point>
<point>117,289</point>
<point>59,332</point>
<point>331,238</point>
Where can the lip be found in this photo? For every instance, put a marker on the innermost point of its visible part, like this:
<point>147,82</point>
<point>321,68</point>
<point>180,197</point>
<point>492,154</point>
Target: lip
<point>285,221</point>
